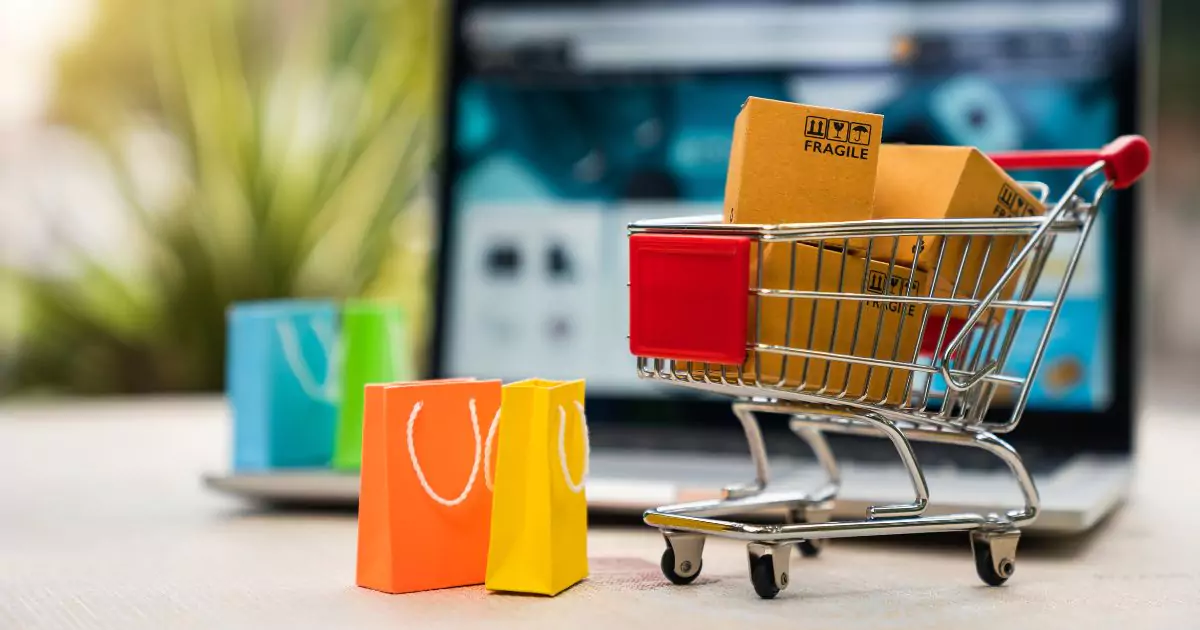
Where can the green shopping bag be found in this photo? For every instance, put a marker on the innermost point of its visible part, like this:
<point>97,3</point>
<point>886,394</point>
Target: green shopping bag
<point>374,350</point>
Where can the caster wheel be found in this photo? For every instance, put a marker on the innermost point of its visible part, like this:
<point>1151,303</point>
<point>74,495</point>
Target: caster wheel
<point>683,558</point>
<point>762,576</point>
<point>769,568</point>
<point>810,548</point>
<point>995,557</point>
<point>668,568</point>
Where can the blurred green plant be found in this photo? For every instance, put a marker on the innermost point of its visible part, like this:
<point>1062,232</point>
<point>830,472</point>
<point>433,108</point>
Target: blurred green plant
<point>299,136</point>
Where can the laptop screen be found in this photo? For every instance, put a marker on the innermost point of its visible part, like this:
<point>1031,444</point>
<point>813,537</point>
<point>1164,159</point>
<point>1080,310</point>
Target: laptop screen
<point>572,119</point>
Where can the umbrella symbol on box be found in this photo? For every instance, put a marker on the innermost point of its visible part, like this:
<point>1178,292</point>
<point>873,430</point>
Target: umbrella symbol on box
<point>860,133</point>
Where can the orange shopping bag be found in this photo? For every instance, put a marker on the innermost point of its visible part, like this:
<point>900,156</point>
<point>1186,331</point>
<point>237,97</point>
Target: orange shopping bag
<point>425,499</point>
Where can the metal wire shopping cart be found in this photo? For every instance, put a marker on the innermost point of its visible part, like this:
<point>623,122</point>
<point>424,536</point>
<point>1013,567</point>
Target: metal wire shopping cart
<point>828,347</point>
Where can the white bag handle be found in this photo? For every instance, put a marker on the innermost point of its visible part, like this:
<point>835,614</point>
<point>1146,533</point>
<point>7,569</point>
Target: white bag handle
<point>329,391</point>
<point>562,448</point>
<point>412,455</point>
<point>288,338</point>
<point>487,448</point>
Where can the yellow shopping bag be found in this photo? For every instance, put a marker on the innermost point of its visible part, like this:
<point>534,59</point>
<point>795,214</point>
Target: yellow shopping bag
<point>539,509</point>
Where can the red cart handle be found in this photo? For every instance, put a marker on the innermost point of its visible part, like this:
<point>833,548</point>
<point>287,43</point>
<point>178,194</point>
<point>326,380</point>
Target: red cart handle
<point>1125,159</point>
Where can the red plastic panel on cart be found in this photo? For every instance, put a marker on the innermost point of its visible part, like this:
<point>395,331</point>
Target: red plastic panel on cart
<point>688,297</point>
<point>933,331</point>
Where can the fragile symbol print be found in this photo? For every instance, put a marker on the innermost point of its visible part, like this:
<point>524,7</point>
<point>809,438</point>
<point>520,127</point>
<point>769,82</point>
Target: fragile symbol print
<point>840,136</point>
<point>839,130</point>
<point>816,127</point>
<point>876,283</point>
<point>880,283</point>
<point>1011,204</point>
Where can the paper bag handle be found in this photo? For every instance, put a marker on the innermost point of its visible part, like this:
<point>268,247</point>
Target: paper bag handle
<point>326,391</point>
<point>562,448</point>
<point>412,455</point>
<point>487,448</point>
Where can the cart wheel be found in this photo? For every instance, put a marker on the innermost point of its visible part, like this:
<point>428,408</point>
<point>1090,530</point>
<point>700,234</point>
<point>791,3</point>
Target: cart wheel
<point>811,548</point>
<point>769,568</point>
<point>762,575</point>
<point>668,568</point>
<point>683,557</point>
<point>995,556</point>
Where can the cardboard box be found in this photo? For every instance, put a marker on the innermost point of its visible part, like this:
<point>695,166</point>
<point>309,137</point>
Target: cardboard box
<point>932,182</point>
<point>794,163</point>
<point>813,324</point>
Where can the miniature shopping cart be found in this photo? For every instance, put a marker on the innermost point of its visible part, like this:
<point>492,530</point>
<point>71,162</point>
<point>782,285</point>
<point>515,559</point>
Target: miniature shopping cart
<point>703,307</point>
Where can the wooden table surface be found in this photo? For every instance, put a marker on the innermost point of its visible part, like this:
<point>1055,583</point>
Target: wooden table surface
<point>104,524</point>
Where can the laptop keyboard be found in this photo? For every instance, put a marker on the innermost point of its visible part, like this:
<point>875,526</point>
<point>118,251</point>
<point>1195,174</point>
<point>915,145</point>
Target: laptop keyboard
<point>859,450</point>
<point>1037,459</point>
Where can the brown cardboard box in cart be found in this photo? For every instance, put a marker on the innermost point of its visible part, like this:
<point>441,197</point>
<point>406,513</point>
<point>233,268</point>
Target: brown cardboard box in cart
<point>793,163</point>
<point>871,329</point>
<point>934,182</point>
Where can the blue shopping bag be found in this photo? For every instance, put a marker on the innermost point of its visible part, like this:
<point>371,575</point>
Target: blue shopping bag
<point>281,382</point>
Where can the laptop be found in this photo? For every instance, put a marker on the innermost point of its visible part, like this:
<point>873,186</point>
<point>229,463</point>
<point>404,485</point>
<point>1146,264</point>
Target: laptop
<point>566,121</point>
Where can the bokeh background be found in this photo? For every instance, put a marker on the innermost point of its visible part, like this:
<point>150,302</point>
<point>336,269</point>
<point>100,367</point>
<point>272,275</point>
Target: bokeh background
<point>160,160</point>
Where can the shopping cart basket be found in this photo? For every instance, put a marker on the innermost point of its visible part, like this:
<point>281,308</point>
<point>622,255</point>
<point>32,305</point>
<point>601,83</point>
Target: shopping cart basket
<point>710,310</point>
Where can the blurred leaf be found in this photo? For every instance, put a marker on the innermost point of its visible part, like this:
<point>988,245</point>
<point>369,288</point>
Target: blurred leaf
<point>304,130</point>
